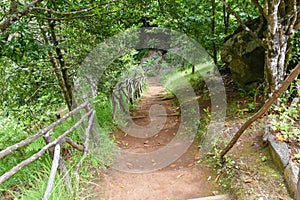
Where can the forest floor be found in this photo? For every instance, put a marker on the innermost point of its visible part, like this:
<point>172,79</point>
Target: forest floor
<point>250,174</point>
<point>183,179</point>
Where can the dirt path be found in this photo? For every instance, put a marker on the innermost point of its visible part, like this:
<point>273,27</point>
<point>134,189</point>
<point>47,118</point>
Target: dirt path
<point>183,179</point>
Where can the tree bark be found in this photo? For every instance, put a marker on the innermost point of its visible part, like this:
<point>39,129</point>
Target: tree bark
<point>276,44</point>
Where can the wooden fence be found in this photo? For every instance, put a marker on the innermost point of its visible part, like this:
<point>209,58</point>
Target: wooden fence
<point>54,146</point>
<point>126,91</point>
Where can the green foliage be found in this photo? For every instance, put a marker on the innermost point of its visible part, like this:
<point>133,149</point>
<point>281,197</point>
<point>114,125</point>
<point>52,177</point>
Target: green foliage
<point>295,52</point>
<point>284,115</point>
<point>103,108</point>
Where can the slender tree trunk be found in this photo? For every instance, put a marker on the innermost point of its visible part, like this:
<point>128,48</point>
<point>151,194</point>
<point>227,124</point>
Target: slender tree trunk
<point>225,19</point>
<point>57,71</point>
<point>182,64</point>
<point>66,78</point>
<point>193,69</point>
<point>213,30</point>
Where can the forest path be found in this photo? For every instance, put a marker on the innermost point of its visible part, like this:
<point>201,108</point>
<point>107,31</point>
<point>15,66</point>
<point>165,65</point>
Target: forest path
<point>183,179</point>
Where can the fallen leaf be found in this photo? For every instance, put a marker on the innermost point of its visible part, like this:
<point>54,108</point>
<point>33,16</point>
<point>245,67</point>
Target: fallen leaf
<point>197,156</point>
<point>118,142</point>
<point>153,161</point>
<point>227,124</point>
<point>129,165</point>
<point>173,165</point>
<point>174,134</point>
<point>180,175</point>
<point>279,137</point>
<point>146,142</point>
<point>217,178</point>
<point>191,164</point>
<point>208,179</point>
<point>126,144</point>
<point>248,181</point>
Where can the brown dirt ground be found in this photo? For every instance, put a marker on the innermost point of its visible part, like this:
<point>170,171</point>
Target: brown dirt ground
<point>183,179</point>
<point>257,177</point>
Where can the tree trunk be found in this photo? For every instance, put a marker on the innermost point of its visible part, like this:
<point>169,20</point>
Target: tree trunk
<point>67,81</point>
<point>213,30</point>
<point>276,49</point>
<point>226,16</point>
<point>275,63</point>
<point>182,64</point>
<point>57,71</point>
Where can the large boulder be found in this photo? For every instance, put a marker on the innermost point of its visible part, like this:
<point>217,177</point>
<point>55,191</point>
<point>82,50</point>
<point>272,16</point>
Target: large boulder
<point>244,56</point>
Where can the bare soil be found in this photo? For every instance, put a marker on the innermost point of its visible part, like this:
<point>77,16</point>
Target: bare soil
<point>184,179</point>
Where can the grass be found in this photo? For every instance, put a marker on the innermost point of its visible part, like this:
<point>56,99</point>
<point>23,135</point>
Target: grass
<point>31,181</point>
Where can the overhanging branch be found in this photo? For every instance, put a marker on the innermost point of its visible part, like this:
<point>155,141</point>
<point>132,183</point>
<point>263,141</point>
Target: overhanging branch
<point>75,12</point>
<point>293,75</point>
<point>244,26</point>
<point>17,15</point>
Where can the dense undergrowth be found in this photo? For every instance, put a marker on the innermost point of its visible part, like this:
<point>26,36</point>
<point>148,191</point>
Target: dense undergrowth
<point>31,181</point>
<point>252,162</point>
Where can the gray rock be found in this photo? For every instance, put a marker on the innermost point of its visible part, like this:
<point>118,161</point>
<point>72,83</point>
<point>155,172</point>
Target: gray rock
<point>218,197</point>
<point>291,176</point>
<point>245,57</point>
<point>279,152</point>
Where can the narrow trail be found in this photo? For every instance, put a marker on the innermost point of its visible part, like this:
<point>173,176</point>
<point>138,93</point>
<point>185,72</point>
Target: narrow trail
<point>183,179</point>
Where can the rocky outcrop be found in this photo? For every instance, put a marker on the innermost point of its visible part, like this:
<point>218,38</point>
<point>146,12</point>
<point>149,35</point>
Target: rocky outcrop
<point>245,56</point>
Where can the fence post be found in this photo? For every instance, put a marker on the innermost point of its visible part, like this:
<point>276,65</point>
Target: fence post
<point>54,167</point>
<point>62,169</point>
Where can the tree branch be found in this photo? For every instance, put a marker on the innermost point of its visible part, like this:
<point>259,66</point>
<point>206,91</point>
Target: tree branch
<point>75,12</point>
<point>17,15</point>
<point>290,30</point>
<point>244,26</point>
<point>293,75</point>
<point>73,17</point>
<point>74,144</point>
<point>62,18</point>
<point>260,8</point>
<point>236,16</point>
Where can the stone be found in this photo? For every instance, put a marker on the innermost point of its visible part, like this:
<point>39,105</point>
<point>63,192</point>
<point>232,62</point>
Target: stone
<point>279,152</point>
<point>244,56</point>
<point>217,197</point>
<point>291,176</point>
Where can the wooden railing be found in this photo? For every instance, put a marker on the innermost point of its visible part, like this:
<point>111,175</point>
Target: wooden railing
<point>54,146</point>
<point>130,89</point>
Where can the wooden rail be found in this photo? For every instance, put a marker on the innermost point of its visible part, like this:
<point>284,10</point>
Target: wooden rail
<point>54,146</point>
<point>131,88</point>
